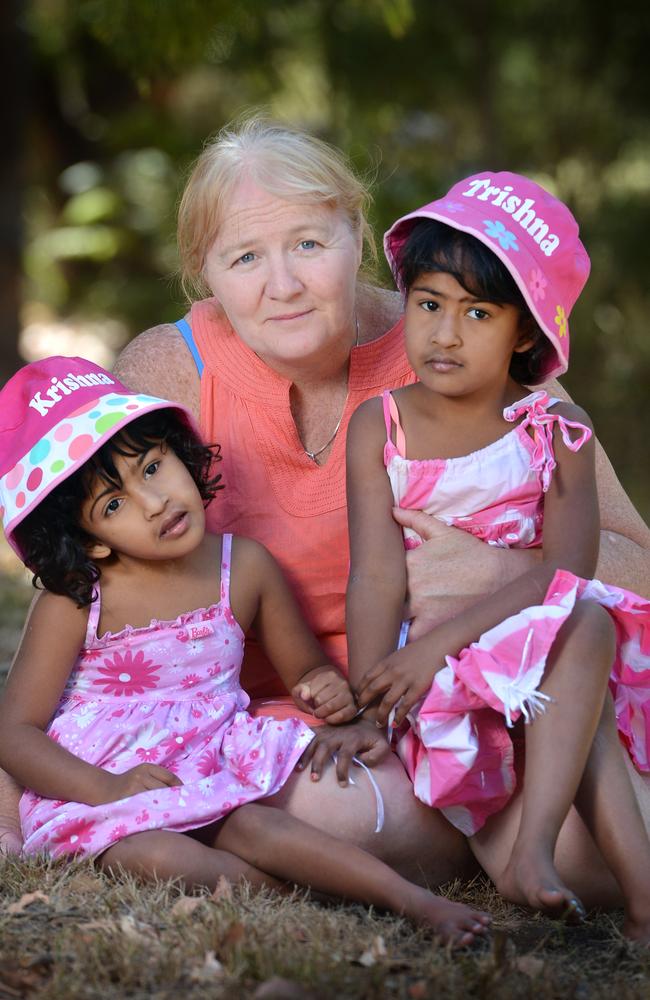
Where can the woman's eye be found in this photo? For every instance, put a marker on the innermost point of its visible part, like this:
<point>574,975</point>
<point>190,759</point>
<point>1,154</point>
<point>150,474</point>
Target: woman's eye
<point>151,469</point>
<point>112,506</point>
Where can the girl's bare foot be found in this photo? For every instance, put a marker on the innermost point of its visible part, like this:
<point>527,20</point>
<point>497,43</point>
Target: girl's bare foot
<point>453,923</point>
<point>532,880</point>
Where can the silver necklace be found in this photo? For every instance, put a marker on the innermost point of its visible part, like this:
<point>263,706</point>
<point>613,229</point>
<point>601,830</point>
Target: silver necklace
<point>314,454</point>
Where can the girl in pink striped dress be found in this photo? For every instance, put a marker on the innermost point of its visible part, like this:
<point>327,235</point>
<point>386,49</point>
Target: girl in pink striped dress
<point>490,273</point>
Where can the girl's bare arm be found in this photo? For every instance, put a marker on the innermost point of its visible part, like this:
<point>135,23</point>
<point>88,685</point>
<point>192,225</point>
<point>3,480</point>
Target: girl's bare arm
<point>377,582</point>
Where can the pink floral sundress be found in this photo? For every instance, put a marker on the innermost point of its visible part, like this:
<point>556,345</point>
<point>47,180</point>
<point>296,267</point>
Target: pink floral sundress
<point>456,748</point>
<point>168,693</point>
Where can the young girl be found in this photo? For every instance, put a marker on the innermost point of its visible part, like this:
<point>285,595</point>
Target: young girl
<point>123,714</point>
<point>490,273</point>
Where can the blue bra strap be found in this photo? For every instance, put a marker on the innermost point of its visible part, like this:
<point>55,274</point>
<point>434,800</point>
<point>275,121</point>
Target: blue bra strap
<point>186,332</point>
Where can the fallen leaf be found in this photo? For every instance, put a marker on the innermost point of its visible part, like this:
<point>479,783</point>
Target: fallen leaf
<point>372,954</point>
<point>27,900</point>
<point>278,988</point>
<point>234,935</point>
<point>185,905</point>
<point>418,990</point>
<point>222,890</point>
<point>530,965</point>
<point>211,969</point>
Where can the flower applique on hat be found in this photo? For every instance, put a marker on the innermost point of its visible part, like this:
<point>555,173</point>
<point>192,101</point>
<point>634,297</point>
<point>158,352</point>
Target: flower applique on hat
<point>54,415</point>
<point>530,231</point>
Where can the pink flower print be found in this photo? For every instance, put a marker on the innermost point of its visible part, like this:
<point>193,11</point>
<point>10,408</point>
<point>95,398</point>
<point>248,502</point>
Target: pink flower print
<point>561,320</point>
<point>91,654</point>
<point>127,674</point>
<point>209,763</point>
<point>178,741</point>
<point>148,754</point>
<point>71,837</point>
<point>243,768</point>
<point>537,284</point>
<point>143,817</point>
<point>190,680</point>
<point>209,613</point>
<point>254,754</point>
<point>119,831</point>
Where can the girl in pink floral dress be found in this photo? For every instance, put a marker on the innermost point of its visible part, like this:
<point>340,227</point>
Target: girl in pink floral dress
<point>123,715</point>
<point>490,273</point>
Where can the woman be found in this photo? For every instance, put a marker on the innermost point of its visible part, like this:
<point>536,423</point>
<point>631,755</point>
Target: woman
<point>272,225</point>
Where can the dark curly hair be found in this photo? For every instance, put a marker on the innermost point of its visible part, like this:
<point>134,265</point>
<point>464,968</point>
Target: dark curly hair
<point>434,246</point>
<point>53,544</point>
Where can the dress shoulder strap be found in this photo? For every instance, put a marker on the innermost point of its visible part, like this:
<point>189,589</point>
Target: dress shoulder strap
<point>391,416</point>
<point>226,562</point>
<point>535,411</point>
<point>185,331</point>
<point>93,616</point>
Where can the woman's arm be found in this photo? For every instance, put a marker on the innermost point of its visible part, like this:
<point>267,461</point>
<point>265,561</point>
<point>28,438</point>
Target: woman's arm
<point>159,362</point>
<point>570,542</point>
<point>377,581</point>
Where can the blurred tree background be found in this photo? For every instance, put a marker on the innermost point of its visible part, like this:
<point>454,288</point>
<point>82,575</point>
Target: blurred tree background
<point>107,102</point>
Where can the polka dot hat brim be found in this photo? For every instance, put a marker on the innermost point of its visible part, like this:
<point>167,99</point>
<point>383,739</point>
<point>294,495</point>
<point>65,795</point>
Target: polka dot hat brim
<point>54,415</point>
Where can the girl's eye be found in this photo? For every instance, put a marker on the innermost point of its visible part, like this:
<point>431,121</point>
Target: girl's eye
<point>429,305</point>
<point>477,313</point>
<point>307,244</point>
<point>151,469</point>
<point>245,258</point>
<point>112,506</point>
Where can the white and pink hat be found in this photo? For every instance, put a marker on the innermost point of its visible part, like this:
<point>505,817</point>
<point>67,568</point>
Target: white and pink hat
<point>530,231</point>
<point>55,414</point>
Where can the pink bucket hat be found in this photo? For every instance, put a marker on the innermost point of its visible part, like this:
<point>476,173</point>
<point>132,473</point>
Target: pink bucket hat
<point>55,414</point>
<point>530,231</point>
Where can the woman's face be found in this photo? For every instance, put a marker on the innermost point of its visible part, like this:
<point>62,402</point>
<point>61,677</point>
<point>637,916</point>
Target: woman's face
<point>285,274</point>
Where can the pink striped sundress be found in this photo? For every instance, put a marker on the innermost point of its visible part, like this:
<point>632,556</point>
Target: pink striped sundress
<point>456,747</point>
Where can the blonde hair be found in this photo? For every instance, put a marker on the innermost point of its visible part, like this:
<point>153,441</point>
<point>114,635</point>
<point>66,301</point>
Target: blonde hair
<point>283,160</point>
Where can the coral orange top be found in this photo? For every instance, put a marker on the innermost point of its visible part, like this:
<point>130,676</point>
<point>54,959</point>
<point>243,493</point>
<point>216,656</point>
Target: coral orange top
<point>273,492</point>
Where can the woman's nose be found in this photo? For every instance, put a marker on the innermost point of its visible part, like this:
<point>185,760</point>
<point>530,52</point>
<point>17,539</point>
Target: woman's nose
<point>282,280</point>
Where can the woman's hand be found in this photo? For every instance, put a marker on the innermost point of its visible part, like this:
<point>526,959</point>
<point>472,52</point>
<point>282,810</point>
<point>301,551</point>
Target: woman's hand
<point>400,680</point>
<point>142,778</point>
<point>358,739</point>
<point>325,693</point>
<point>451,570</point>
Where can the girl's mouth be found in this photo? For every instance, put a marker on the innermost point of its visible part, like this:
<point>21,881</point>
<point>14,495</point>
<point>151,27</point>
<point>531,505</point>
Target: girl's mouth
<point>443,365</point>
<point>175,526</point>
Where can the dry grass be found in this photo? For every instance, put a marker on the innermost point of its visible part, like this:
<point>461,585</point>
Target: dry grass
<point>67,931</point>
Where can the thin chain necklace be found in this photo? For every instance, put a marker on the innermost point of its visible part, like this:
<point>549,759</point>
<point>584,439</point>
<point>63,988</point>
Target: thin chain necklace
<point>314,454</point>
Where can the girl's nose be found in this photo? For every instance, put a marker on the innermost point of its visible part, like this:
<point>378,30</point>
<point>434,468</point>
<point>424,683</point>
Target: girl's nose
<point>282,281</point>
<point>154,502</point>
<point>446,331</point>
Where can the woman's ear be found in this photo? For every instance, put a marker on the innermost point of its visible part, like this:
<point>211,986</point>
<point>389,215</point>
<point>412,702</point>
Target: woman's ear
<point>98,550</point>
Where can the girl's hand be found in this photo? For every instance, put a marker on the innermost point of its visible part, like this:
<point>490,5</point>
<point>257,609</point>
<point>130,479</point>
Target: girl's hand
<point>359,739</point>
<point>401,678</point>
<point>326,694</point>
<point>142,778</point>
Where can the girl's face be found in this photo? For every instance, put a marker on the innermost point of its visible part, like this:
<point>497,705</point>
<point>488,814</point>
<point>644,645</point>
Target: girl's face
<point>458,344</point>
<point>285,274</point>
<point>156,514</point>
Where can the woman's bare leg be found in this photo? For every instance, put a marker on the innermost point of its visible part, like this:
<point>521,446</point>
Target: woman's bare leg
<point>558,744</point>
<point>163,854</point>
<point>271,839</point>
<point>416,841</point>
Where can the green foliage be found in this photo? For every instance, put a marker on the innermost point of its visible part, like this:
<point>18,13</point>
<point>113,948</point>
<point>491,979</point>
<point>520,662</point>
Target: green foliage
<point>418,92</point>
